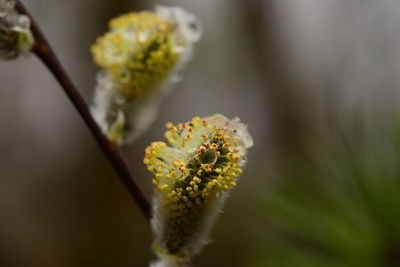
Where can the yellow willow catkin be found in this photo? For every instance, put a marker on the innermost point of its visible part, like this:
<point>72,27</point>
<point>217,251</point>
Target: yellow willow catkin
<point>193,172</point>
<point>141,55</point>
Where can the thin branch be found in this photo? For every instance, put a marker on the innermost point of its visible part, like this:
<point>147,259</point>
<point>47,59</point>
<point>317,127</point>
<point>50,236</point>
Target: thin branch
<point>44,51</point>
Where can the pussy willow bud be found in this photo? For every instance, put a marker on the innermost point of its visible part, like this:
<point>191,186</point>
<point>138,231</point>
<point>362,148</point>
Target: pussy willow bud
<point>15,35</point>
<point>193,174</point>
<point>140,56</point>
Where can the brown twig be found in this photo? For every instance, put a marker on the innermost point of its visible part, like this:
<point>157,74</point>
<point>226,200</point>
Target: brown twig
<point>44,51</point>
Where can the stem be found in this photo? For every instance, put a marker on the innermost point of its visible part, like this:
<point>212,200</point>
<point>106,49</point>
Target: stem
<point>44,51</point>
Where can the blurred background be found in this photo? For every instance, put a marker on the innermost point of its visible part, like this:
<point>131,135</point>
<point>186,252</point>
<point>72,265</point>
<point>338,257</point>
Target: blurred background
<point>316,81</point>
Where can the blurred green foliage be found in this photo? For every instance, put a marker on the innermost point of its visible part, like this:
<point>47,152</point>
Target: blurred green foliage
<point>338,206</point>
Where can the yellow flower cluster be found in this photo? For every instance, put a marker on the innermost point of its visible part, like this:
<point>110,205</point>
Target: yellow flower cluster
<point>141,57</point>
<point>201,162</point>
<point>137,52</point>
